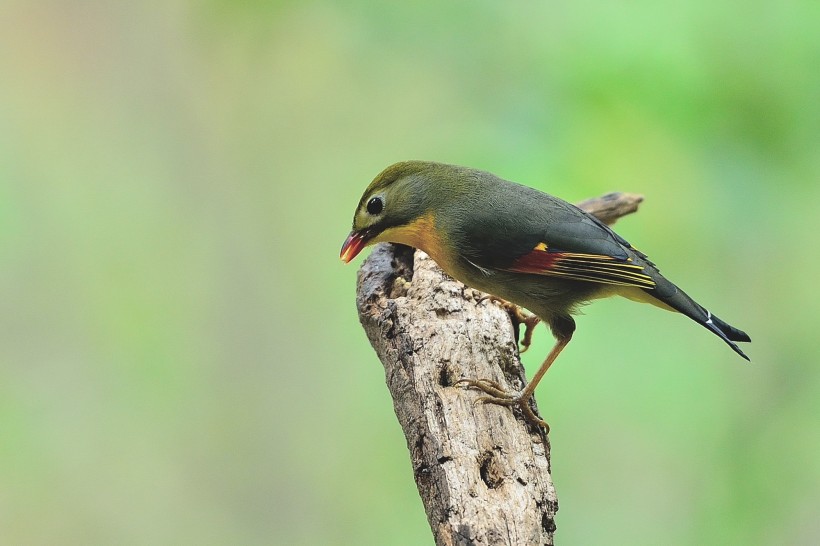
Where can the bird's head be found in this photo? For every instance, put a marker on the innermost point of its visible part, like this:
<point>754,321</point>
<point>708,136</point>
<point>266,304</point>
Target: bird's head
<point>399,206</point>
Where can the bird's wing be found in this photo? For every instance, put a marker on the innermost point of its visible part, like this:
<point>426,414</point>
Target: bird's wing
<point>581,266</point>
<point>554,238</point>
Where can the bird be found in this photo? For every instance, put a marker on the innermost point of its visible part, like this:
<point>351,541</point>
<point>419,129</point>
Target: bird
<point>519,245</point>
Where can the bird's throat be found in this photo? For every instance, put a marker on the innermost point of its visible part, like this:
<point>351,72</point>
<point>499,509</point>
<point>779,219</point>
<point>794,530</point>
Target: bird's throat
<point>421,234</point>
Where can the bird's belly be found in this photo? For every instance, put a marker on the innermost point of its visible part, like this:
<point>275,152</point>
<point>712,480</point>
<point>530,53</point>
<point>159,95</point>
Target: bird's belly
<point>543,295</point>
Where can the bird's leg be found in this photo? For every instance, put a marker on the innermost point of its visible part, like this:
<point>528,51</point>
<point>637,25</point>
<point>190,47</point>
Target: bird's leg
<point>497,394</point>
<point>519,317</point>
<point>562,328</point>
<point>553,354</point>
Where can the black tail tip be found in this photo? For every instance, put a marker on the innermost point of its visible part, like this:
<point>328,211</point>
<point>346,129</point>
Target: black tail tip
<point>738,351</point>
<point>728,333</point>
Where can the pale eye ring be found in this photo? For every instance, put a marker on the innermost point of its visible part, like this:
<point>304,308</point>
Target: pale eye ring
<point>375,206</point>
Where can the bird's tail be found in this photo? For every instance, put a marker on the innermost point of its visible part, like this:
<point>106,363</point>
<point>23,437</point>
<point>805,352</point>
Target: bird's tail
<point>727,332</point>
<point>670,296</point>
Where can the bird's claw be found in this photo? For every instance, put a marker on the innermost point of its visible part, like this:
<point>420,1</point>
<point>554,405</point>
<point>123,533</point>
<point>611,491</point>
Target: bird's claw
<point>498,396</point>
<point>486,385</point>
<point>519,317</point>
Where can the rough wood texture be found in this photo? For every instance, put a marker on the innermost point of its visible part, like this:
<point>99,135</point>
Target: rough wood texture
<point>482,472</point>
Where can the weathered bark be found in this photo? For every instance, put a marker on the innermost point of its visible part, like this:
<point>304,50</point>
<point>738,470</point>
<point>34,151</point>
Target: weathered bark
<point>482,472</point>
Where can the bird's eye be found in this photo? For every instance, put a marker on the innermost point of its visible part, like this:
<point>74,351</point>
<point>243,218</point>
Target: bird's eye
<point>375,206</point>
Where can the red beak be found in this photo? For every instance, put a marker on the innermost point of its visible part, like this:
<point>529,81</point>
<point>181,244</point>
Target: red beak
<point>353,245</point>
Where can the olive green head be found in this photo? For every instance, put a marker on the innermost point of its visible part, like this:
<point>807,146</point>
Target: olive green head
<point>398,206</point>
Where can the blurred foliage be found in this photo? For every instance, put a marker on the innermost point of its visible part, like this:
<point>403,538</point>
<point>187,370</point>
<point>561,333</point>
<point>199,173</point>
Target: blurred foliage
<point>180,357</point>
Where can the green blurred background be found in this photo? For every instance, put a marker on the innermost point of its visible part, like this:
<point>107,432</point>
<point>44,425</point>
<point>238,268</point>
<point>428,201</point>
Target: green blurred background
<point>180,357</point>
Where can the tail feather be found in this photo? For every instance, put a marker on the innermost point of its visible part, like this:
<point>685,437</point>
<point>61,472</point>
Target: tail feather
<point>677,299</point>
<point>726,332</point>
<point>730,331</point>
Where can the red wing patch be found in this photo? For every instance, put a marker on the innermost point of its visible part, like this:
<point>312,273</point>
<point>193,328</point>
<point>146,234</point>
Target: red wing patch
<point>582,267</point>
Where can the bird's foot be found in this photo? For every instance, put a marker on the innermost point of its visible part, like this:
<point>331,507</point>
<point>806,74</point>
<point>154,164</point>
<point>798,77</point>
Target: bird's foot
<point>498,396</point>
<point>519,317</point>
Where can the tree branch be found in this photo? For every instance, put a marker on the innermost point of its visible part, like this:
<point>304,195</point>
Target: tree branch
<point>482,472</point>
